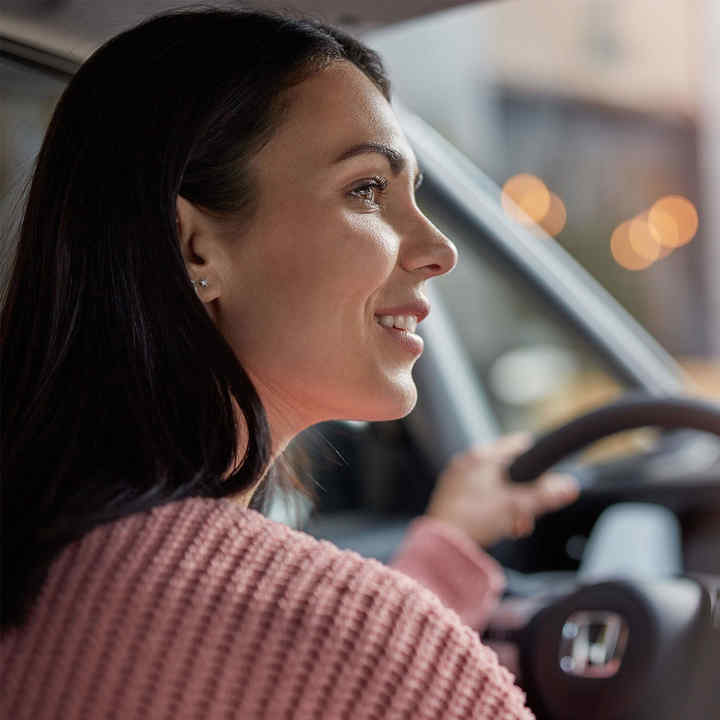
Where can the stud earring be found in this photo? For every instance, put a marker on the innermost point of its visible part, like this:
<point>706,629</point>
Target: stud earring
<point>202,283</point>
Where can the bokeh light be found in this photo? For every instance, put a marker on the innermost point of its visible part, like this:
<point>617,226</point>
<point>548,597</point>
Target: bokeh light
<point>665,227</point>
<point>528,193</point>
<point>644,239</point>
<point>623,251</point>
<point>675,219</point>
<point>664,252</point>
<point>670,223</point>
<point>556,217</point>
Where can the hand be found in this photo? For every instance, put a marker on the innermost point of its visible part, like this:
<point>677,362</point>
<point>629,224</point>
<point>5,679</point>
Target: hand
<point>475,494</point>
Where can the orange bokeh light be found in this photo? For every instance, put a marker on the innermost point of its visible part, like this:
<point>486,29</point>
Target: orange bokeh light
<point>674,219</point>
<point>670,223</point>
<point>665,227</point>
<point>623,251</point>
<point>528,193</point>
<point>644,238</point>
<point>556,217</point>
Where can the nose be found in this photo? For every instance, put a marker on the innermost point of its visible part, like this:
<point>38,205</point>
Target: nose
<point>427,250</point>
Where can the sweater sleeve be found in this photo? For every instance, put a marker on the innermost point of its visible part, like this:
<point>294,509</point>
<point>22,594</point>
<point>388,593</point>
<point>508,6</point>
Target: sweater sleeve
<point>368,643</point>
<point>415,658</point>
<point>456,569</point>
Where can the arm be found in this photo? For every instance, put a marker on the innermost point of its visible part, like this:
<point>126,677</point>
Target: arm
<point>422,662</point>
<point>448,562</point>
<point>371,643</point>
<point>473,505</point>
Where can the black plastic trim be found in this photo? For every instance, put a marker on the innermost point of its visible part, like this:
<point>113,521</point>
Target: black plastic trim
<point>37,58</point>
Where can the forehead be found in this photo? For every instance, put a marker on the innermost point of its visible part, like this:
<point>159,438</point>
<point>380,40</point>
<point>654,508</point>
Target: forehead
<point>331,111</point>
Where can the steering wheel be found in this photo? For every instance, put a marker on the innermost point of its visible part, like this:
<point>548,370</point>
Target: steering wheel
<point>622,648</point>
<point>634,410</point>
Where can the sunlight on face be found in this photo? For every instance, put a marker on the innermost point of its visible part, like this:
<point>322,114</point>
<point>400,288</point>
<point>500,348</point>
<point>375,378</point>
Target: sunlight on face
<point>336,237</point>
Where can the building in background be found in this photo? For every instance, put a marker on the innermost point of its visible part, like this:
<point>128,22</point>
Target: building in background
<point>605,101</point>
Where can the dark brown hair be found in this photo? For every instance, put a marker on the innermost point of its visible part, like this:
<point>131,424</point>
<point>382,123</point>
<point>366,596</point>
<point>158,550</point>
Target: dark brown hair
<point>116,385</point>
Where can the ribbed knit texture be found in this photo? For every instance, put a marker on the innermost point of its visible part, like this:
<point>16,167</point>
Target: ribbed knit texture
<point>204,609</point>
<point>445,560</point>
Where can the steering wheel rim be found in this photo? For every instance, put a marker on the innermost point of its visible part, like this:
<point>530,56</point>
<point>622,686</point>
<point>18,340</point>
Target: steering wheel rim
<point>560,696</point>
<point>634,410</point>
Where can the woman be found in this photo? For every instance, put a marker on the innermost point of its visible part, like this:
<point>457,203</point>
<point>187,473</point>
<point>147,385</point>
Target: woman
<point>220,244</point>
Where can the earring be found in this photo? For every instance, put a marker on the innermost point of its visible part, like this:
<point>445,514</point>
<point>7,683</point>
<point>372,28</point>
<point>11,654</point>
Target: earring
<point>202,283</point>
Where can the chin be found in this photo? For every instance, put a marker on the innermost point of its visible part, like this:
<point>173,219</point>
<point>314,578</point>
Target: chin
<point>408,404</point>
<point>394,404</point>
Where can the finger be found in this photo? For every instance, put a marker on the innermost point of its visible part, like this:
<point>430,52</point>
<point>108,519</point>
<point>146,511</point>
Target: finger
<point>554,491</point>
<point>507,448</point>
<point>513,442</point>
<point>523,525</point>
<point>550,492</point>
<point>521,512</point>
<point>504,442</point>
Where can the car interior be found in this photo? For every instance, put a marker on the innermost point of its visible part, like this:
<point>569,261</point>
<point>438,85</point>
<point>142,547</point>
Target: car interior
<point>614,600</point>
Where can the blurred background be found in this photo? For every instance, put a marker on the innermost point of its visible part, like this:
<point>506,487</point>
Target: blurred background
<point>599,118</point>
<point>614,106</point>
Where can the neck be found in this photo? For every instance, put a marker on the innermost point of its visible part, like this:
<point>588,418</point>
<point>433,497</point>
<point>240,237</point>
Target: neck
<point>283,428</point>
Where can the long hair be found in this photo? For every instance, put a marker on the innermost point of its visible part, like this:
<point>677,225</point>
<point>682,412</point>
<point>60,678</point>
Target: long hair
<point>117,388</point>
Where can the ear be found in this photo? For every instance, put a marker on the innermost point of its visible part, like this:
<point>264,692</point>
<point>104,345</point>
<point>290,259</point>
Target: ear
<point>200,249</point>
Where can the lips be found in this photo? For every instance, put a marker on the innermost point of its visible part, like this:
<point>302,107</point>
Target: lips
<point>406,339</point>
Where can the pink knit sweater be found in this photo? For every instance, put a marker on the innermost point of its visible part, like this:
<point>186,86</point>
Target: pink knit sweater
<point>204,609</point>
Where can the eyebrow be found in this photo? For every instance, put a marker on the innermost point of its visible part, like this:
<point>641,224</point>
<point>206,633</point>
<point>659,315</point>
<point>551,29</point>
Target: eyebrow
<point>398,162</point>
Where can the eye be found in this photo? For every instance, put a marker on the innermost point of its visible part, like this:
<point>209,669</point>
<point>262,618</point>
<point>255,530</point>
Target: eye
<point>370,191</point>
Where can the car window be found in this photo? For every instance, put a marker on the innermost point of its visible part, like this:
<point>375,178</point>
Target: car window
<point>601,106</point>
<point>535,366</point>
<point>28,99</point>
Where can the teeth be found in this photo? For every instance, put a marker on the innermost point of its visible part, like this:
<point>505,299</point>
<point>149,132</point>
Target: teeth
<point>402,322</point>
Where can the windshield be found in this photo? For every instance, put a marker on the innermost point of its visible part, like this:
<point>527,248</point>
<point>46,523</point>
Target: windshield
<point>588,116</point>
<point>535,366</point>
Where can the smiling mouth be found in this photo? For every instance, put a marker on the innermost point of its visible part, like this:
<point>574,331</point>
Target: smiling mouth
<point>399,322</point>
<point>400,330</point>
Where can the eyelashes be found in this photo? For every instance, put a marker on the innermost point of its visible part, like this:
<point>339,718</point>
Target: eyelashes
<point>370,191</point>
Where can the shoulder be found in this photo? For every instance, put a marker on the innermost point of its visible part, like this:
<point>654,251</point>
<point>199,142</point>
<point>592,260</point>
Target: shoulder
<point>347,630</point>
<point>228,608</point>
<point>205,549</point>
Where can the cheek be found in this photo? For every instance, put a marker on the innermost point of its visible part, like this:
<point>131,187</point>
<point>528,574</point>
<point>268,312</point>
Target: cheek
<point>331,259</point>
<point>361,250</point>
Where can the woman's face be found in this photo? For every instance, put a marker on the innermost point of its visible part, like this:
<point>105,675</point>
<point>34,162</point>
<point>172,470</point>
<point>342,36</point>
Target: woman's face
<point>336,241</point>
